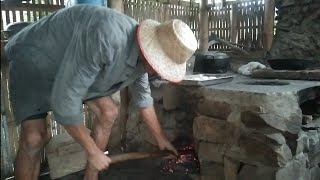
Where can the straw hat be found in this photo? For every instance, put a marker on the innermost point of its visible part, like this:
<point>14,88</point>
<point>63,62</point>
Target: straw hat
<point>167,47</point>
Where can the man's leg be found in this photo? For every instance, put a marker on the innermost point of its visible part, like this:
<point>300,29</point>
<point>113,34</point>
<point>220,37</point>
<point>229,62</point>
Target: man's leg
<point>106,111</point>
<point>33,137</point>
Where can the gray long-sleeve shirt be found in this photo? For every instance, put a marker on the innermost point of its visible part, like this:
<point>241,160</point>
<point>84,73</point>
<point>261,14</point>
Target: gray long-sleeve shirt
<point>80,53</point>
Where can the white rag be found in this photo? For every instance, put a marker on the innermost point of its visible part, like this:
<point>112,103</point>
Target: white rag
<point>247,69</point>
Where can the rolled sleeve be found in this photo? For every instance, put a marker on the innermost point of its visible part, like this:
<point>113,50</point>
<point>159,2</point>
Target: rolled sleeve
<point>140,92</point>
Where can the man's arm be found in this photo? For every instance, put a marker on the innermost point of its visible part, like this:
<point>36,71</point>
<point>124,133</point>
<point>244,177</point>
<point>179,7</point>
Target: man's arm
<point>141,96</point>
<point>83,59</point>
<point>96,157</point>
<point>150,118</point>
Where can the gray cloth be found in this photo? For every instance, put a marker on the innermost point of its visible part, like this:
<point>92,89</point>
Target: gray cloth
<point>73,55</point>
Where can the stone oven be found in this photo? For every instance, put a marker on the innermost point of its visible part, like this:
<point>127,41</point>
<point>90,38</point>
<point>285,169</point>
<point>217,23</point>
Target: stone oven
<point>246,129</point>
<point>249,129</point>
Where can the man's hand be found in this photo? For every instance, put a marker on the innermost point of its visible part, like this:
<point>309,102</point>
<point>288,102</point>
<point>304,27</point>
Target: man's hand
<point>150,118</point>
<point>98,161</point>
<point>164,144</point>
<point>96,158</point>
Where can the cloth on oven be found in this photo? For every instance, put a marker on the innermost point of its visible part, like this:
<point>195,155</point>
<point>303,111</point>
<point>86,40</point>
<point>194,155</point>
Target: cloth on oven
<point>247,69</point>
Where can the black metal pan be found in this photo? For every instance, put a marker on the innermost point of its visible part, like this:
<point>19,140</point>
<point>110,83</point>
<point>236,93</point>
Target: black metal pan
<point>291,64</point>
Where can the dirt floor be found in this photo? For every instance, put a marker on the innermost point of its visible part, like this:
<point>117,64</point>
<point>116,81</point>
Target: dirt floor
<point>148,169</point>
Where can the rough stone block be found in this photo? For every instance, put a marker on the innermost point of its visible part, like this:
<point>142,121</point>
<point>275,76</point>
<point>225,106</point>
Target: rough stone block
<point>295,169</point>
<point>212,130</point>
<point>314,159</point>
<point>291,124</point>
<point>269,137</point>
<point>171,97</point>
<point>249,172</point>
<point>211,170</point>
<point>217,109</point>
<point>211,152</point>
<point>231,168</point>
<point>314,141</point>
<point>315,173</point>
<point>254,151</point>
<point>302,142</point>
<point>212,177</point>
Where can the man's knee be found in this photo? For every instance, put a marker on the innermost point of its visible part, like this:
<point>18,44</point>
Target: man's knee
<point>33,142</point>
<point>109,114</point>
<point>105,109</point>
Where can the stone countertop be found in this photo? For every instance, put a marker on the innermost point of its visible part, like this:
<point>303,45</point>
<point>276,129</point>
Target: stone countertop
<point>239,84</point>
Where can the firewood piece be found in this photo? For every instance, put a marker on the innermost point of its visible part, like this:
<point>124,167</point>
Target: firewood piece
<point>313,75</point>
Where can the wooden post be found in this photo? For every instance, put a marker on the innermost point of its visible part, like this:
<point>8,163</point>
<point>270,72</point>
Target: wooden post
<point>12,136</point>
<point>268,26</point>
<point>124,108</point>
<point>116,4</point>
<point>203,26</point>
<point>124,93</point>
<point>234,23</point>
<point>166,13</point>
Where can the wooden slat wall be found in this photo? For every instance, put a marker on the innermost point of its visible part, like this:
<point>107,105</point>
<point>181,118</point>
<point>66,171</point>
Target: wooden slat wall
<point>219,24</point>
<point>31,11</point>
<point>141,10</point>
<point>249,23</point>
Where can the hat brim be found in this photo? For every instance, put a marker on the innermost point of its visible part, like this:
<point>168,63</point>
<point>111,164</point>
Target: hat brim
<point>155,55</point>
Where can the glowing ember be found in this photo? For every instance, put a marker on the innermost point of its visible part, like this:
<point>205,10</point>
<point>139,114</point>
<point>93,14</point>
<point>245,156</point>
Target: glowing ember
<point>186,162</point>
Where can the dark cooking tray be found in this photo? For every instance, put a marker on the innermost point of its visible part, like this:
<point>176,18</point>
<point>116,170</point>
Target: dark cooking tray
<point>290,64</point>
<point>190,80</point>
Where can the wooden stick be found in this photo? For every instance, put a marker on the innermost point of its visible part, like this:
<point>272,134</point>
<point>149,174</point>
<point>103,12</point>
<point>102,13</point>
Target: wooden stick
<point>119,158</point>
<point>137,155</point>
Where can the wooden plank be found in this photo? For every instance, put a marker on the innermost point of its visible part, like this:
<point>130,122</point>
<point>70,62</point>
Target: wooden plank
<point>14,19</point>
<point>268,25</point>
<point>56,154</point>
<point>21,16</point>
<point>28,16</point>
<point>254,24</point>
<point>12,130</point>
<point>8,21</point>
<point>34,15</point>
<point>242,25</point>
<point>286,74</point>
<point>29,7</point>
<point>6,157</point>
<point>203,26</point>
<point>260,17</point>
<point>229,23</point>
<point>249,29</point>
<point>216,25</point>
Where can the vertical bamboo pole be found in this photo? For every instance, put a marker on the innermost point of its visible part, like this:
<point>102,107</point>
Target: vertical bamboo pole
<point>124,94</point>
<point>116,4</point>
<point>268,24</point>
<point>166,11</point>
<point>12,136</point>
<point>203,26</point>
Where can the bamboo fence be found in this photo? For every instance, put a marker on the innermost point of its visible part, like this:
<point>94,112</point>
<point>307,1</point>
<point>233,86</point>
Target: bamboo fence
<point>237,22</point>
<point>141,10</point>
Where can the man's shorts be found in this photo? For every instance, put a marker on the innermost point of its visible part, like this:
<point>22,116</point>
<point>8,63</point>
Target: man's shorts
<point>30,90</point>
